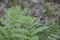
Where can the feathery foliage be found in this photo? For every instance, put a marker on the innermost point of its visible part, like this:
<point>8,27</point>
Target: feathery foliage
<point>17,26</point>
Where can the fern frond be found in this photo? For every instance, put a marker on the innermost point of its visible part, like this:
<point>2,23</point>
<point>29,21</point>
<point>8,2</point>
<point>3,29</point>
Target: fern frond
<point>23,31</point>
<point>19,36</point>
<point>38,30</point>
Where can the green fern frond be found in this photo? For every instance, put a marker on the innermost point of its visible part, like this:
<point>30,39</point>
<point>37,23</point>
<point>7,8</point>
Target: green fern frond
<point>23,31</point>
<point>20,27</point>
<point>19,36</point>
<point>38,30</point>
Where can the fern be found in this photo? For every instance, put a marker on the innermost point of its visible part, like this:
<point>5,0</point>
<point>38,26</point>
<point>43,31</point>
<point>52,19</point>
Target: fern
<point>20,27</point>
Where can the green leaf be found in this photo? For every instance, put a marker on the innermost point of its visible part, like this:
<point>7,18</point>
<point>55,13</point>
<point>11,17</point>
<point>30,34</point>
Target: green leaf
<point>38,30</point>
<point>13,36</point>
<point>4,33</point>
<point>35,37</point>
<point>24,31</point>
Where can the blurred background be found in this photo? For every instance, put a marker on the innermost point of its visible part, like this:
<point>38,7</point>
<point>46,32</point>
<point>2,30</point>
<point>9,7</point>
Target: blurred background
<point>44,10</point>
